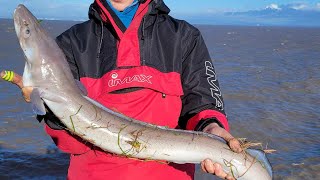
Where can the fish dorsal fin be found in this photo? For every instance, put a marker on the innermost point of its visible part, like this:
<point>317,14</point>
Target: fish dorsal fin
<point>81,87</point>
<point>37,103</point>
<point>261,158</point>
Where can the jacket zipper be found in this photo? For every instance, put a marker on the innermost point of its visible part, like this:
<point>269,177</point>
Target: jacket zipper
<point>144,44</point>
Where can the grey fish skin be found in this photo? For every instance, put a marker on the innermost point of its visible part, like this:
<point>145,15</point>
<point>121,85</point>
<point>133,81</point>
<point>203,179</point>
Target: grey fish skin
<point>47,71</point>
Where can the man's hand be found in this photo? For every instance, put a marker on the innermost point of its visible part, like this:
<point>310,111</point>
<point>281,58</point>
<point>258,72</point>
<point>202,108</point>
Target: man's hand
<point>214,168</point>
<point>17,80</point>
<point>26,92</point>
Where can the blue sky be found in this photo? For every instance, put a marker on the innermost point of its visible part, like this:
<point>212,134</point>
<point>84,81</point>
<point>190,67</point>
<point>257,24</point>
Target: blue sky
<point>195,11</point>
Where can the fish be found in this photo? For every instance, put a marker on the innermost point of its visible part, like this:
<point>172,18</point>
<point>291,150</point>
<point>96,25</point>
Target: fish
<point>47,72</point>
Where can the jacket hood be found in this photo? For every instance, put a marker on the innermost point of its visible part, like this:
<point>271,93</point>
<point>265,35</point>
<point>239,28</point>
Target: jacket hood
<point>155,7</point>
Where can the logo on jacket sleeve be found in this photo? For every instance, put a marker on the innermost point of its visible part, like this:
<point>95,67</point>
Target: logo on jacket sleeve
<point>214,87</point>
<point>116,81</point>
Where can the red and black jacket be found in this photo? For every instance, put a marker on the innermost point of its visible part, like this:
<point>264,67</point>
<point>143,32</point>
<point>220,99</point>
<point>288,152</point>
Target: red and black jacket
<point>156,52</point>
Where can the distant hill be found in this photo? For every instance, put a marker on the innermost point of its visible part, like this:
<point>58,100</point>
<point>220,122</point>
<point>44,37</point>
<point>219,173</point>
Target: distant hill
<point>292,15</point>
<point>282,11</point>
<point>272,15</point>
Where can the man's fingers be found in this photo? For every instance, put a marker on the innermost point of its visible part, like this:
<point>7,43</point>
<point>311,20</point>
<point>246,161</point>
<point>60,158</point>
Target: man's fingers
<point>207,166</point>
<point>12,77</point>
<point>7,75</point>
<point>216,169</point>
<point>219,171</point>
<point>26,93</point>
<point>16,79</point>
<point>230,177</point>
<point>235,145</point>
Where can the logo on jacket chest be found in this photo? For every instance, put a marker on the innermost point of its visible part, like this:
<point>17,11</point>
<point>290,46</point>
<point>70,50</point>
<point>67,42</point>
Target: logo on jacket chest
<point>116,80</point>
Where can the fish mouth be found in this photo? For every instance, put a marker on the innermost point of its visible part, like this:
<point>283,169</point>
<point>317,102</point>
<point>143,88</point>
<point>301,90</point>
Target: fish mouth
<point>20,12</point>
<point>26,27</point>
<point>23,18</point>
<point>20,20</point>
<point>17,19</point>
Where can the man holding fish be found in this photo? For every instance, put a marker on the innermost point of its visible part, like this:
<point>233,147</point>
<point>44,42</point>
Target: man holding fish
<point>134,58</point>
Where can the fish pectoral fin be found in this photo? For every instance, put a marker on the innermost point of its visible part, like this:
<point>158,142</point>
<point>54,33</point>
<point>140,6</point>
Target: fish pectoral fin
<point>81,87</point>
<point>37,103</point>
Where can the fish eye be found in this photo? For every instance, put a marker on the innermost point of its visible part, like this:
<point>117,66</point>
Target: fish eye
<point>27,32</point>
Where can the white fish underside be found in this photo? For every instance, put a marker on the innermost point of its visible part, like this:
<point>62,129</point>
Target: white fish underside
<point>48,72</point>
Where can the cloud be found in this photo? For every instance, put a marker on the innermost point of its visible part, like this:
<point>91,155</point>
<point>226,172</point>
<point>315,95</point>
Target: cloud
<point>299,6</point>
<point>217,10</point>
<point>294,6</point>
<point>273,6</point>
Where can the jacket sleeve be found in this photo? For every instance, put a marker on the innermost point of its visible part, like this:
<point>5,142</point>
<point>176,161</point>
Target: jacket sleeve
<point>202,101</point>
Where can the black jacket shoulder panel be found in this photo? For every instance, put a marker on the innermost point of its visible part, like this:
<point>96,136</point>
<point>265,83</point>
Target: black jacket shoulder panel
<point>168,41</point>
<point>85,48</point>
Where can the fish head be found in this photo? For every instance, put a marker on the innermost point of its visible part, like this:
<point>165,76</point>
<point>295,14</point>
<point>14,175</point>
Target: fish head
<point>46,67</point>
<point>27,29</point>
<point>42,54</point>
<point>25,23</point>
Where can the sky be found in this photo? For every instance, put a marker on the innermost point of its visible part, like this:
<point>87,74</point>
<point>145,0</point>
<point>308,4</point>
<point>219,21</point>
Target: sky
<point>239,12</point>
